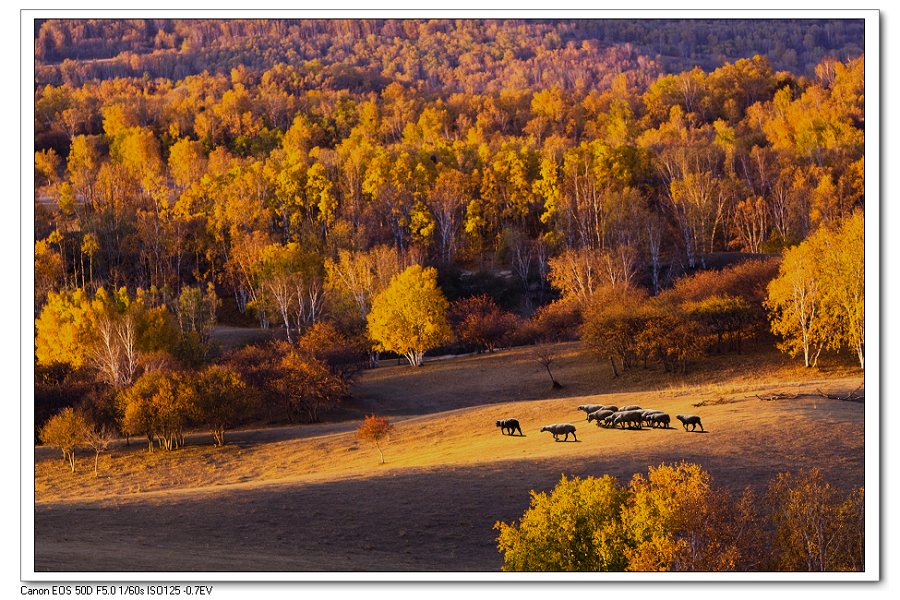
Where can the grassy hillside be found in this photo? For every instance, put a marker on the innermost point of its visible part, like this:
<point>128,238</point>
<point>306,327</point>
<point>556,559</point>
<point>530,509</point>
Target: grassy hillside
<point>514,375</point>
<point>314,498</point>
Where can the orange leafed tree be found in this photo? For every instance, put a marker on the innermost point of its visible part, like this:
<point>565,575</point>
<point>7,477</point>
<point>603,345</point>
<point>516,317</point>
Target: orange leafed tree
<point>65,431</point>
<point>375,430</point>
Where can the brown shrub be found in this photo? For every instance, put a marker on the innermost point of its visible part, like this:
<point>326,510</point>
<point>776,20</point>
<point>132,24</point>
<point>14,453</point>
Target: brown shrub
<point>477,320</point>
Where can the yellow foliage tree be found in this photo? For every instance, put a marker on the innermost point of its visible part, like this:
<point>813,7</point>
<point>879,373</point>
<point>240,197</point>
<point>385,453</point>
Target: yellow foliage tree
<point>613,324</point>
<point>357,276</point>
<point>577,274</point>
<point>816,529</point>
<point>46,167</point>
<point>675,520</point>
<point>557,533</point>
<point>290,284</point>
<point>671,520</point>
<point>48,272</point>
<point>795,304</point>
<point>187,162</point>
<point>410,315</point>
<point>818,299</point>
<point>320,194</point>
<point>844,272</point>
<point>106,332</point>
<point>64,329</point>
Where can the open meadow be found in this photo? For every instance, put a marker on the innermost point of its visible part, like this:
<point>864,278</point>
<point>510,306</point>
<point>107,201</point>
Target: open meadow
<point>314,498</point>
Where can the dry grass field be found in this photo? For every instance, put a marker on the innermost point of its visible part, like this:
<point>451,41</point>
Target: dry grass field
<point>313,498</point>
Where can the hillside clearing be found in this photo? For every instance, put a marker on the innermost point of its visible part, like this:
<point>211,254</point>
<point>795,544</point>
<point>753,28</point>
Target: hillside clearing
<point>314,498</point>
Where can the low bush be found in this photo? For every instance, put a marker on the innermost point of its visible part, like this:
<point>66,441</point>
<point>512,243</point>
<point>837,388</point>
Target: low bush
<point>675,519</point>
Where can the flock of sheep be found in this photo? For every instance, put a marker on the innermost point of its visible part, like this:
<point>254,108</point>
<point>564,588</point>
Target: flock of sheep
<point>609,416</point>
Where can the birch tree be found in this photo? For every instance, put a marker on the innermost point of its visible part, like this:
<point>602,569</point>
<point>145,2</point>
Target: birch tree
<point>410,315</point>
<point>818,299</point>
<point>795,302</point>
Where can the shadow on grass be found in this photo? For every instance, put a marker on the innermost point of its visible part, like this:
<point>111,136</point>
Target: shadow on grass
<point>437,519</point>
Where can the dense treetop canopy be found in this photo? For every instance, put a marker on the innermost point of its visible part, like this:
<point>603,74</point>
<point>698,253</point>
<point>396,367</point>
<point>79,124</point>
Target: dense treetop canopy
<point>285,171</point>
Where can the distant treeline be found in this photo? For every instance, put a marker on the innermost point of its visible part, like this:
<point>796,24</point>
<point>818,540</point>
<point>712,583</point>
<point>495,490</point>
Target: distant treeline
<point>460,55</point>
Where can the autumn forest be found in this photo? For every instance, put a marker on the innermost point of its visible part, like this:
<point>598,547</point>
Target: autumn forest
<point>235,219</point>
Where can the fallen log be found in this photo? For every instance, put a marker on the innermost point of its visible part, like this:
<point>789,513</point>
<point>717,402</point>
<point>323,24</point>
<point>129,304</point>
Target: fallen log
<point>849,397</point>
<point>778,396</point>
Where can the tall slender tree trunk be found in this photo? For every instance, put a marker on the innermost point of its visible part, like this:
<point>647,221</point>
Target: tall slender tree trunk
<point>815,360</point>
<point>287,323</point>
<point>415,357</point>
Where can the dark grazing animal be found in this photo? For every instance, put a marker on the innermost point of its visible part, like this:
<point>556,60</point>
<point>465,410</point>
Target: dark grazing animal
<point>558,429</point>
<point>599,415</point>
<point>511,425</point>
<point>647,413</point>
<point>692,420</point>
<point>630,407</point>
<point>632,418</point>
<point>660,420</point>
<point>589,408</point>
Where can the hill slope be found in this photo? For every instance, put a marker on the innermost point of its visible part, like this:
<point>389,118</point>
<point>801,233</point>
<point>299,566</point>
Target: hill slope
<point>314,498</point>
